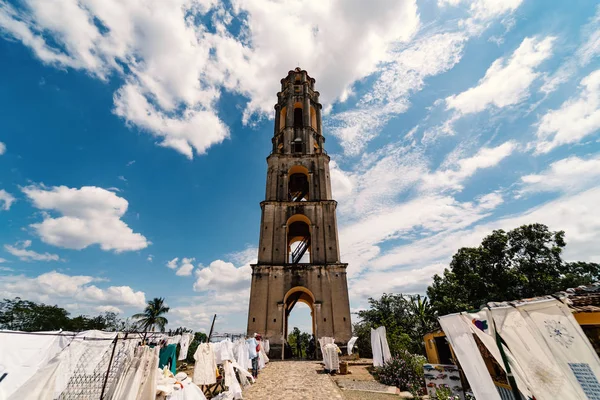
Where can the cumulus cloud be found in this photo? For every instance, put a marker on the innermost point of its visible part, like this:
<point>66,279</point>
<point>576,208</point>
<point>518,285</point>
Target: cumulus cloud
<point>6,200</point>
<point>89,215</point>
<point>20,249</point>
<point>2,148</point>
<point>576,118</point>
<point>184,268</point>
<point>507,81</point>
<point>57,287</point>
<point>175,67</point>
<point>221,275</point>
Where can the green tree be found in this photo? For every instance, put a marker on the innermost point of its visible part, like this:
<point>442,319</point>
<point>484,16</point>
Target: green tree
<point>406,319</point>
<point>153,315</point>
<point>296,337</point>
<point>522,263</point>
<point>24,315</point>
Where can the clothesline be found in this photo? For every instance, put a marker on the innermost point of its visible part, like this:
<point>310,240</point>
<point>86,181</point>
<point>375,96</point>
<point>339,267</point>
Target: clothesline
<point>75,334</point>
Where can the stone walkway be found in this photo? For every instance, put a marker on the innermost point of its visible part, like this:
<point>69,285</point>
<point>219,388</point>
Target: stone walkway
<point>293,380</point>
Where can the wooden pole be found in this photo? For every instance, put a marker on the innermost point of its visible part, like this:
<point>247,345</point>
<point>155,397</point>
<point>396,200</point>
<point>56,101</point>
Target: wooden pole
<point>212,326</point>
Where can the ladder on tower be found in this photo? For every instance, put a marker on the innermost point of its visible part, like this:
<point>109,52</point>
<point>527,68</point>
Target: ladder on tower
<point>300,250</point>
<point>298,195</point>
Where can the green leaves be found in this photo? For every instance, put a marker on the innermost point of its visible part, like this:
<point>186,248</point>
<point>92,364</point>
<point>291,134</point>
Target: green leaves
<point>152,317</point>
<point>524,262</point>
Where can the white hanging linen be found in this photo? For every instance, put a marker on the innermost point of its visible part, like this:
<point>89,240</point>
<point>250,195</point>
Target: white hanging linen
<point>379,347</point>
<point>262,356</point>
<point>549,345</point>
<point>323,341</point>
<point>267,346</point>
<point>206,365</point>
<point>174,339</point>
<point>488,338</point>
<point>242,354</point>
<point>461,339</point>
<point>331,357</point>
<point>376,349</point>
<point>351,343</point>
<point>50,381</point>
<point>186,340</point>
<point>23,354</point>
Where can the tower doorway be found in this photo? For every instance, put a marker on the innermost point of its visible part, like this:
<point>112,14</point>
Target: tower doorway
<point>302,301</point>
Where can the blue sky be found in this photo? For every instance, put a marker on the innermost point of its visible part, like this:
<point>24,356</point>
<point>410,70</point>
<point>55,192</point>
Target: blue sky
<point>134,136</point>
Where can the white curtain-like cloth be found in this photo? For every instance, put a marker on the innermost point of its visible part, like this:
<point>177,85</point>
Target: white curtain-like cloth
<point>460,336</point>
<point>331,357</point>
<point>23,354</point>
<point>267,346</point>
<point>262,356</point>
<point>488,338</point>
<point>323,341</point>
<point>186,340</point>
<point>242,354</point>
<point>551,349</point>
<point>206,366</point>
<point>379,346</point>
<point>174,339</point>
<point>351,344</point>
<point>51,380</point>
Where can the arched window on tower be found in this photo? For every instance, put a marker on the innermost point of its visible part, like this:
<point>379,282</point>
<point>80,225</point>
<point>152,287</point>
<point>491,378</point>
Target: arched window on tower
<point>298,117</point>
<point>298,187</point>
<point>298,242</point>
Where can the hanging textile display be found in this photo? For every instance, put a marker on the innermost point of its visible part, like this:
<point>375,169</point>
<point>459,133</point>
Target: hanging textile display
<point>168,358</point>
<point>206,366</point>
<point>461,339</point>
<point>379,346</point>
<point>331,357</point>
<point>552,350</point>
<point>22,355</point>
<point>186,340</point>
<point>323,341</point>
<point>351,344</point>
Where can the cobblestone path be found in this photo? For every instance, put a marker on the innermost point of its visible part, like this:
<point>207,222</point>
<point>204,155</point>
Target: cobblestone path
<point>293,380</point>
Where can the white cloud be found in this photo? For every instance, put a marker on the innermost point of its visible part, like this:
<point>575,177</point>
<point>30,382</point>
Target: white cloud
<point>57,287</point>
<point>173,263</point>
<point>150,258</point>
<point>576,118</point>
<point>89,215</point>
<point>122,178</point>
<point>507,81</point>
<point>184,268</point>
<point>2,148</point>
<point>221,275</point>
<point>402,75</point>
<point>6,200</point>
<point>130,163</point>
<point>567,175</point>
<point>466,167</point>
<point>175,68</point>
<point>20,250</point>
<point>588,50</point>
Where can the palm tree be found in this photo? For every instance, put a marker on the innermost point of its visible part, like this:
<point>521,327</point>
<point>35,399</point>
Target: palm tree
<point>153,315</point>
<point>424,314</point>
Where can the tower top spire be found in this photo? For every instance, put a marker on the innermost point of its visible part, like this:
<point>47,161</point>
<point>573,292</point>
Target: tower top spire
<point>298,127</point>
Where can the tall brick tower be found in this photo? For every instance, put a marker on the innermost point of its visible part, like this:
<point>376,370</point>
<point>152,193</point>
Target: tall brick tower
<point>299,254</point>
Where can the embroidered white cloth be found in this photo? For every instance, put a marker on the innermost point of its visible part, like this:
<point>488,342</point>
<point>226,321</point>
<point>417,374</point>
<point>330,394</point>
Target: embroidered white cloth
<point>323,341</point>
<point>331,357</point>
<point>22,355</point>
<point>241,353</point>
<point>206,365</point>
<point>379,346</point>
<point>174,339</point>
<point>267,346</point>
<point>186,340</point>
<point>351,344</point>
<point>550,347</point>
<point>50,381</point>
<point>262,356</point>
<point>461,339</point>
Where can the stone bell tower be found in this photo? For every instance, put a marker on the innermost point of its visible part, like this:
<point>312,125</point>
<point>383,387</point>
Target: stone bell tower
<point>299,254</point>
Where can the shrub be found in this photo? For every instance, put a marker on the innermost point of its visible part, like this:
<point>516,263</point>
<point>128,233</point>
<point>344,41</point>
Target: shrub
<point>445,394</point>
<point>404,370</point>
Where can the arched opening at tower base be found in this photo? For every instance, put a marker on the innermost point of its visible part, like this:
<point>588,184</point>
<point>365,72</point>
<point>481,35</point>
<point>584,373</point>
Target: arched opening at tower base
<point>298,298</point>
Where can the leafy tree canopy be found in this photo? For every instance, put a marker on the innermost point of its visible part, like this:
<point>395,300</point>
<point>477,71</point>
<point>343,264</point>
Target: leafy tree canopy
<point>406,319</point>
<point>522,263</point>
<point>153,315</point>
<point>29,316</point>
